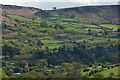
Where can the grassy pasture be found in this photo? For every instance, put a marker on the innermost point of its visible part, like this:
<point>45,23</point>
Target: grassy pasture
<point>20,18</point>
<point>115,27</point>
<point>50,41</point>
<point>52,46</point>
<point>107,72</point>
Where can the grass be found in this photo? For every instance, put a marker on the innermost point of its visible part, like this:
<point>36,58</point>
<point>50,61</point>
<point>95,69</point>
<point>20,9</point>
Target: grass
<point>110,26</point>
<point>50,41</point>
<point>97,30</point>
<point>91,26</point>
<point>29,58</point>
<point>20,18</point>
<point>107,72</point>
<point>52,46</point>
<point>56,45</point>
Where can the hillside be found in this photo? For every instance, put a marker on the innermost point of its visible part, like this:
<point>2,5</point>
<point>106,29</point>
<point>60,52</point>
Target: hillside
<point>86,14</point>
<point>79,42</point>
<point>18,10</point>
<point>93,14</point>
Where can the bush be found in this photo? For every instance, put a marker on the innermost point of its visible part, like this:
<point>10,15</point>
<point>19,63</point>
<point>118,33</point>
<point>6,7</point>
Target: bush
<point>85,70</point>
<point>44,24</point>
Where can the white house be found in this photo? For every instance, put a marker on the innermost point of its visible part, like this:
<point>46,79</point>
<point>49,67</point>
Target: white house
<point>16,74</point>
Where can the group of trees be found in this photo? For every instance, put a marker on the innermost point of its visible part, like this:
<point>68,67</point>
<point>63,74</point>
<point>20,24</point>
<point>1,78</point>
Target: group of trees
<point>64,53</point>
<point>77,53</point>
<point>103,32</point>
<point>10,51</point>
<point>44,24</point>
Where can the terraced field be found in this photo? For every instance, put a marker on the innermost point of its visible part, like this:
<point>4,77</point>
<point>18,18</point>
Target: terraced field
<point>67,43</point>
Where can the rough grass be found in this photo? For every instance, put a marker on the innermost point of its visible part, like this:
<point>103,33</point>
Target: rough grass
<point>50,41</point>
<point>51,46</point>
<point>107,72</point>
<point>20,18</point>
<point>110,26</point>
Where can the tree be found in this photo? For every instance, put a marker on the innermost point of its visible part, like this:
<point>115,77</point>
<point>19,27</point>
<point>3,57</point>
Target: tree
<point>39,53</point>
<point>23,63</point>
<point>5,26</point>
<point>15,24</point>
<point>10,50</point>
<point>16,70</point>
<point>44,24</point>
<point>58,26</point>
<point>10,72</point>
<point>41,63</point>
<point>85,70</point>
<point>74,73</point>
<point>39,43</point>
<point>112,74</point>
<point>118,30</point>
<point>105,32</point>
<point>90,32</point>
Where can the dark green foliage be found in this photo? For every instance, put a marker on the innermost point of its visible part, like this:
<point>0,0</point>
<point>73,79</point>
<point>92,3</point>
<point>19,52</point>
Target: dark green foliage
<point>39,43</point>
<point>10,51</point>
<point>5,26</point>
<point>44,24</point>
<point>58,26</point>
<point>16,70</point>
<point>85,70</point>
<point>90,32</point>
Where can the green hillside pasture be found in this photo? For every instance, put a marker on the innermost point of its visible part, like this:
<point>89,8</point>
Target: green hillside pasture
<point>22,29</point>
<point>85,38</point>
<point>94,30</point>
<point>50,41</point>
<point>102,41</point>
<point>90,69</point>
<point>52,46</point>
<point>78,37</point>
<point>40,29</point>
<point>12,37</point>
<point>91,26</point>
<point>20,18</point>
<point>81,31</point>
<point>97,40</point>
<point>107,72</point>
<point>85,25</point>
<point>110,26</point>
<point>57,45</point>
<point>37,34</point>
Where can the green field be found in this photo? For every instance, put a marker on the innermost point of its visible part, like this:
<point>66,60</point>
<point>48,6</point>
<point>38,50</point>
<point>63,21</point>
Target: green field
<point>106,73</point>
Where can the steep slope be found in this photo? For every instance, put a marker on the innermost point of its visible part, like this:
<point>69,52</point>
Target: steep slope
<point>85,14</point>
<point>18,10</point>
<point>91,13</point>
<point>28,12</point>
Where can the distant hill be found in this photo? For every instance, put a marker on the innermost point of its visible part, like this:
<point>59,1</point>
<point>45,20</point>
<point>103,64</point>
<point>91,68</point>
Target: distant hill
<point>90,14</point>
<point>28,12</point>
<point>19,10</point>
